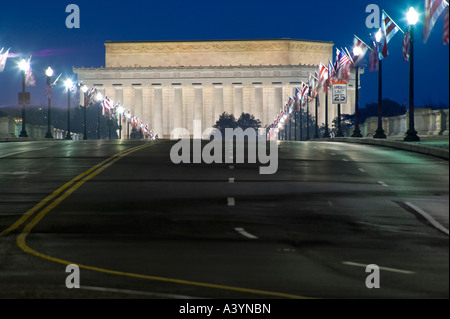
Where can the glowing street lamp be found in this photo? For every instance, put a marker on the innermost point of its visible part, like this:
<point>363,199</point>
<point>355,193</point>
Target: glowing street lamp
<point>68,84</point>
<point>411,134</point>
<point>24,66</point>
<point>49,73</point>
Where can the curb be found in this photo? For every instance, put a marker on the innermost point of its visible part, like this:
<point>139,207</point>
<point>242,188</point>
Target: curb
<point>406,146</point>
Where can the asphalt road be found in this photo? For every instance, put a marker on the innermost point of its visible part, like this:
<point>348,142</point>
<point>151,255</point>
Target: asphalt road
<point>139,226</point>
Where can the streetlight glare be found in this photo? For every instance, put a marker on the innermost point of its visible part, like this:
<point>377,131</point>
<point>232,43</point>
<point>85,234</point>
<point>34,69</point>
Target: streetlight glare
<point>99,97</point>
<point>412,16</point>
<point>49,72</point>
<point>23,65</point>
<point>68,84</point>
<point>357,51</point>
<point>84,88</point>
<point>378,36</point>
<point>120,109</point>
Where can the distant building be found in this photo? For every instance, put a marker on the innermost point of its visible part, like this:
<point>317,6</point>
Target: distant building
<point>170,84</point>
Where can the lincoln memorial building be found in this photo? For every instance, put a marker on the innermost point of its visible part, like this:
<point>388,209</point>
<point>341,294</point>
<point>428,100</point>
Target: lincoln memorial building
<point>172,84</point>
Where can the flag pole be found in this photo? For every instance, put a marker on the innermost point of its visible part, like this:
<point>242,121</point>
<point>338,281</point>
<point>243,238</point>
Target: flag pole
<point>357,131</point>
<point>327,132</point>
<point>380,132</point>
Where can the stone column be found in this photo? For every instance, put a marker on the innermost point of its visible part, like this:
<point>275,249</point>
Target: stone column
<point>278,99</point>
<point>238,100</point>
<point>259,101</point>
<point>218,101</point>
<point>138,102</point>
<point>178,107</point>
<point>198,103</point>
<point>158,111</point>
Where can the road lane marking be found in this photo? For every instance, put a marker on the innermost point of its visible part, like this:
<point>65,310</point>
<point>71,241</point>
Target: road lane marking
<point>383,184</point>
<point>333,154</point>
<point>56,193</point>
<point>19,173</point>
<point>231,167</point>
<point>21,152</point>
<point>361,170</point>
<point>427,216</point>
<point>330,203</point>
<point>21,242</point>
<point>400,271</point>
<point>231,180</point>
<point>231,201</point>
<point>244,233</point>
<point>345,160</point>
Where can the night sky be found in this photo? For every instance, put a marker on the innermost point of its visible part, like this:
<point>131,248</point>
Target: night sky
<point>38,28</point>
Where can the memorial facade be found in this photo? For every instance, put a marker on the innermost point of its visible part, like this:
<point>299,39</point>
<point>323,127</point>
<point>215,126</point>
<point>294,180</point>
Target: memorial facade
<point>170,85</point>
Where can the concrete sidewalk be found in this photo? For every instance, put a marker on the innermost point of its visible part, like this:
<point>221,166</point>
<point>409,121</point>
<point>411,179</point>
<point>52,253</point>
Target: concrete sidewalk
<point>437,146</point>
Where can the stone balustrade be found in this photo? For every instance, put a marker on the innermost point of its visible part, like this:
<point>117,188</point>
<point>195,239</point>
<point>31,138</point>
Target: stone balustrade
<point>428,122</point>
<point>9,128</point>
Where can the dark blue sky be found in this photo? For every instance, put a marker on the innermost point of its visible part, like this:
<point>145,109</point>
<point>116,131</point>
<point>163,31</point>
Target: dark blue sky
<point>38,28</point>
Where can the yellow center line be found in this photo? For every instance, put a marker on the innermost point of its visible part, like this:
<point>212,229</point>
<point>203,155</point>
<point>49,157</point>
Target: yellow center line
<point>21,238</point>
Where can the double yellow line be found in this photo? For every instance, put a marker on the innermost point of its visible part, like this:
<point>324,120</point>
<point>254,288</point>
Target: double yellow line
<point>69,188</point>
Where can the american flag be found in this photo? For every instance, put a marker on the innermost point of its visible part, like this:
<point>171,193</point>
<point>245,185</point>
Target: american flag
<point>331,70</point>
<point>344,60</point>
<point>445,35</point>
<point>358,43</point>
<point>305,91</point>
<point>298,94</point>
<point>388,29</point>
<point>3,58</point>
<point>433,9</point>
<point>323,76</point>
<point>106,105</point>
<point>405,47</point>
<point>336,60</point>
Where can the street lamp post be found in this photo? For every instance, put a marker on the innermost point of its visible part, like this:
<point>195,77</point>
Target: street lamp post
<point>357,51</point>
<point>120,110</point>
<point>301,119</point>
<point>99,98</point>
<point>307,118</point>
<point>411,134</point>
<point>316,130</point>
<point>327,132</point>
<point>339,132</point>
<point>84,89</point>
<point>24,67</point>
<point>69,85</point>
<point>379,133</point>
<point>49,73</point>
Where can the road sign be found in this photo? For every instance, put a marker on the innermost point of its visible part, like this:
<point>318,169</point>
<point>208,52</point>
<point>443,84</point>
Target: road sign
<point>339,93</point>
<point>24,98</point>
